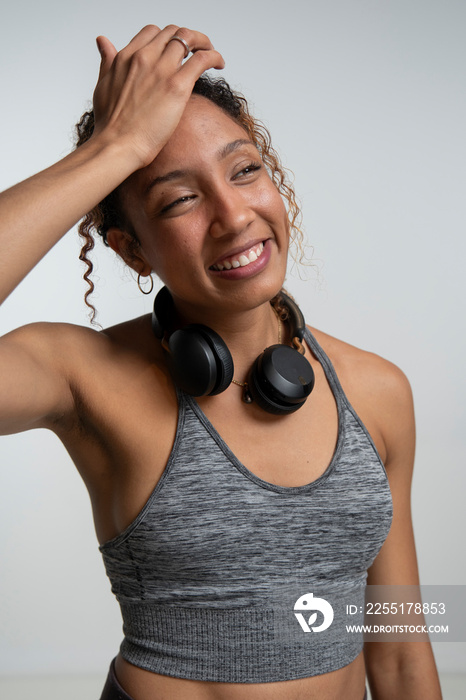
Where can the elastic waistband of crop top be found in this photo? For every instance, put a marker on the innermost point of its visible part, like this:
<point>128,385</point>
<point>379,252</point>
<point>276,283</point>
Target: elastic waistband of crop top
<point>230,646</point>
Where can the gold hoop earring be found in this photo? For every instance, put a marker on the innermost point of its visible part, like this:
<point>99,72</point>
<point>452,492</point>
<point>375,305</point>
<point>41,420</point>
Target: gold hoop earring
<point>151,286</point>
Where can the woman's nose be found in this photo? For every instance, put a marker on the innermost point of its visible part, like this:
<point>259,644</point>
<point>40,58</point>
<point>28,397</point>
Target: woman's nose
<point>231,212</point>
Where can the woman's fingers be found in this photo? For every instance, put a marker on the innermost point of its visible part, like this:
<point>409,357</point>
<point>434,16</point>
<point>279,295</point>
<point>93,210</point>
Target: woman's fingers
<point>200,62</point>
<point>142,38</point>
<point>176,47</point>
<point>195,41</point>
<point>157,44</point>
<point>107,54</point>
<point>172,43</point>
<point>204,55</point>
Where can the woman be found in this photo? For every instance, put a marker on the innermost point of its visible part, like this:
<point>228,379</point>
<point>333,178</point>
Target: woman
<point>202,550</point>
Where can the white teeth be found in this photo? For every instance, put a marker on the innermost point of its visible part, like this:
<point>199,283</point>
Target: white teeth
<point>243,260</point>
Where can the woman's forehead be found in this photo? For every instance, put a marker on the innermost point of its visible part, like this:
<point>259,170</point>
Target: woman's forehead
<point>202,124</point>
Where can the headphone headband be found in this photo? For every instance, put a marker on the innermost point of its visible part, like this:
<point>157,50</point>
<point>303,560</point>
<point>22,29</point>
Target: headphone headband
<point>298,324</point>
<point>163,313</point>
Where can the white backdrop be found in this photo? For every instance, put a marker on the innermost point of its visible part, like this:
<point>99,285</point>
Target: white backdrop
<point>366,102</point>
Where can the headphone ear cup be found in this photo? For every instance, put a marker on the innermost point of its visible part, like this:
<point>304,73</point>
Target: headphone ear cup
<point>223,358</point>
<point>200,361</point>
<point>281,379</point>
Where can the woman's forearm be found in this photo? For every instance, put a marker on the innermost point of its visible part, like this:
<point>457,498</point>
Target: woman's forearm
<point>37,212</point>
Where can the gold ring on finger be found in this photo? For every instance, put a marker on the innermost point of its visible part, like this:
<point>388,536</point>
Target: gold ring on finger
<point>182,41</point>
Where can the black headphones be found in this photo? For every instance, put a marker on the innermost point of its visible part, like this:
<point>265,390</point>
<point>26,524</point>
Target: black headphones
<point>280,379</point>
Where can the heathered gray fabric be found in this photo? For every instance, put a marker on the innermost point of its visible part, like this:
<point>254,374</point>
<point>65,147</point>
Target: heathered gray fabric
<point>208,573</point>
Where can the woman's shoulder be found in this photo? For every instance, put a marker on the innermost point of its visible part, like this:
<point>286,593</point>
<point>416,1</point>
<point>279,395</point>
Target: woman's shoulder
<point>378,389</point>
<point>51,340</point>
<point>75,348</point>
<point>355,364</point>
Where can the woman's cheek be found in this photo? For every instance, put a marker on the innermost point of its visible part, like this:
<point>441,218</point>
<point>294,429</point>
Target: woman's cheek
<point>178,256</point>
<point>270,202</point>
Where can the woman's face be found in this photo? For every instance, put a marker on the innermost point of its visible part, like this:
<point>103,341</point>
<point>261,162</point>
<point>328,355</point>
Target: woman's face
<point>211,223</point>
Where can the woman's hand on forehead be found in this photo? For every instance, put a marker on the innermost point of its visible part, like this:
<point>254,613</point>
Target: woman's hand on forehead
<point>143,89</point>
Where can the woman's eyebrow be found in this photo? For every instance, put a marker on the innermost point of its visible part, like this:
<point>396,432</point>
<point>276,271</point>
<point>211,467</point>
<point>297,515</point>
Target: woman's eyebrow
<point>233,146</point>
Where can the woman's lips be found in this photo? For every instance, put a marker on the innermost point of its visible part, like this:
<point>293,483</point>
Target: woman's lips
<point>243,264</point>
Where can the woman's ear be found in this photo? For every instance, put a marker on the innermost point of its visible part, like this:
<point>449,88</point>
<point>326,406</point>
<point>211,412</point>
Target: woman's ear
<point>128,249</point>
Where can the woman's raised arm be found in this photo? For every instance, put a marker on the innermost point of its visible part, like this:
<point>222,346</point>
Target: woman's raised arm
<point>138,101</point>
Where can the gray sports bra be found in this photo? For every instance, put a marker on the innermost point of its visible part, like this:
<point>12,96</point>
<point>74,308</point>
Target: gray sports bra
<point>214,575</point>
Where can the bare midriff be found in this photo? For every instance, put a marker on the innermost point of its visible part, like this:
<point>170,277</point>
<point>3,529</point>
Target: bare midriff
<point>347,682</point>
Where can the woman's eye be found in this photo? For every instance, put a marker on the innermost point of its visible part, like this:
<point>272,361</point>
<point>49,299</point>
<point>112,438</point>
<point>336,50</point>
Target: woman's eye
<point>180,200</point>
<point>248,170</point>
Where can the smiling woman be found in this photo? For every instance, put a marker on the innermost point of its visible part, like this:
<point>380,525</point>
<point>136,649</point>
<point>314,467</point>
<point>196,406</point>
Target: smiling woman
<point>221,506</point>
<point>217,202</point>
<point>170,194</point>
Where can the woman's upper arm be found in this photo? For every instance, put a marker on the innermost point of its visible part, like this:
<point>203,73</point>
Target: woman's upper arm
<point>399,668</point>
<point>34,388</point>
<point>396,563</point>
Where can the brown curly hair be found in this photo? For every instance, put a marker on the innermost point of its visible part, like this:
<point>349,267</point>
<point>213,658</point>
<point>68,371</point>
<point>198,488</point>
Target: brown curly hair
<point>109,212</point>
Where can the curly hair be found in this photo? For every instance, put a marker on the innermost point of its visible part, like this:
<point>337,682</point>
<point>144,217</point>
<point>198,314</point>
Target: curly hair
<point>109,212</point>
